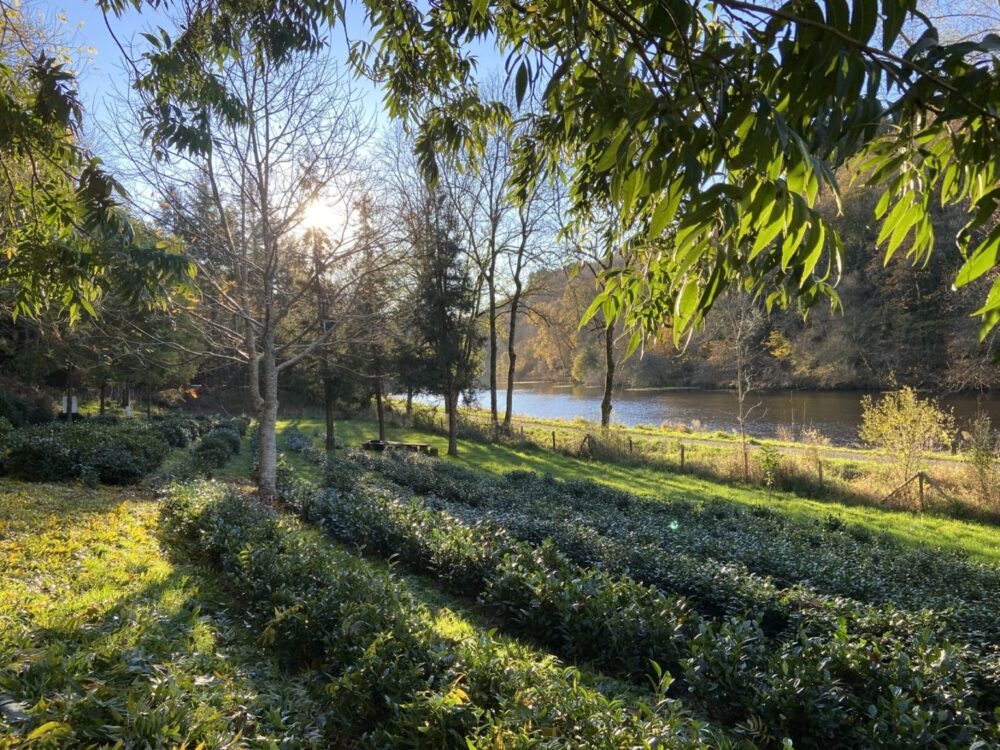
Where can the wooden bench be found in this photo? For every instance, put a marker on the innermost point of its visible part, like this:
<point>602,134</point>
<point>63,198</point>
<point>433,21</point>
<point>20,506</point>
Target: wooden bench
<point>384,445</point>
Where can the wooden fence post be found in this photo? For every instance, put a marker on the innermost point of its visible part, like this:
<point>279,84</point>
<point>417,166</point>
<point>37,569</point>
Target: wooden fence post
<point>682,456</point>
<point>920,488</point>
<point>553,439</point>
<point>819,470</point>
<point>630,445</point>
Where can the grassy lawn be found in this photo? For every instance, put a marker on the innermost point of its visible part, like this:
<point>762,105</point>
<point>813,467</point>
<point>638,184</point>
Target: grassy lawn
<point>979,541</point>
<point>103,639</point>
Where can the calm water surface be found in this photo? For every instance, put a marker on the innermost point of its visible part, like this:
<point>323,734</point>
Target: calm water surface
<point>836,414</point>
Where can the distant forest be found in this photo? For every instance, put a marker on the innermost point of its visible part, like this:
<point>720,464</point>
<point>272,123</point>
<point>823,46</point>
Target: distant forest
<point>900,323</point>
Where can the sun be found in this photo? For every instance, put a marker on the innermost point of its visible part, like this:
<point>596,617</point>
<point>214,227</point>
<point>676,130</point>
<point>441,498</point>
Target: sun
<point>317,215</point>
<point>326,216</point>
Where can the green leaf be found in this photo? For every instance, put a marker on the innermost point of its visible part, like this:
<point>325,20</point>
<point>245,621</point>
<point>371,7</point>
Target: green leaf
<point>633,343</point>
<point>814,249</point>
<point>911,217</point>
<point>591,311</point>
<point>521,82</point>
<point>767,235</point>
<point>46,728</point>
<point>686,306</point>
<point>610,156</point>
<point>981,261</point>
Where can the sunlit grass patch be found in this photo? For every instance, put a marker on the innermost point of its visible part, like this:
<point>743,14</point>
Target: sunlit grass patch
<point>104,640</point>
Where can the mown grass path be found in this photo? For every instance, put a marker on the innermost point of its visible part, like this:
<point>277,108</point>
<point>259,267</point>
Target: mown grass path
<point>979,540</point>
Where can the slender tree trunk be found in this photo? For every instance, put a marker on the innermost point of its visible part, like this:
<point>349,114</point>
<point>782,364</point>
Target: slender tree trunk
<point>149,401</point>
<point>494,418</point>
<point>267,482</point>
<point>104,397</point>
<point>331,435</point>
<point>379,409</point>
<point>409,401</point>
<point>452,422</point>
<point>511,355</point>
<point>69,394</point>
<point>609,373</point>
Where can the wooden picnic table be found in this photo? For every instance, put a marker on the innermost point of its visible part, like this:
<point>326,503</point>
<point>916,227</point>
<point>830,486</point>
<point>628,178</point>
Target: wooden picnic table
<point>384,445</point>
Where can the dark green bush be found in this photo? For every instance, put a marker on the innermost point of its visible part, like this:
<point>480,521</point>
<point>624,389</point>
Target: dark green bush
<point>41,457</point>
<point>178,430</point>
<point>213,451</point>
<point>729,559</point>
<point>115,454</point>
<point>227,434</point>
<point>114,464</point>
<point>22,411</point>
<point>242,424</point>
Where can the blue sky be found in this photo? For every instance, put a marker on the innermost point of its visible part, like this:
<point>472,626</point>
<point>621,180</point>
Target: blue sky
<point>102,71</point>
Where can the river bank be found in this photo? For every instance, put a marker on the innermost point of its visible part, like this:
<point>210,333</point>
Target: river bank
<point>835,415</point>
<point>813,467</point>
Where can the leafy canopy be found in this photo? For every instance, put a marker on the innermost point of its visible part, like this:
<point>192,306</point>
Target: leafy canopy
<point>64,238</point>
<point>712,128</point>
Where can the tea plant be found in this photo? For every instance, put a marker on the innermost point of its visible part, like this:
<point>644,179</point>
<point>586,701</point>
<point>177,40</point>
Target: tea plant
<point>395,682</point>
<point>619,625</point>
<point>728,558</point>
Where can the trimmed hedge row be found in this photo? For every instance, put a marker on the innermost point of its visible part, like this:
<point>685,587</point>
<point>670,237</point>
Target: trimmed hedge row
<point>110,454</point>
<point>729,559</point>
<point>113,451</point>
<point>394,681</point>
<point>879,685</point>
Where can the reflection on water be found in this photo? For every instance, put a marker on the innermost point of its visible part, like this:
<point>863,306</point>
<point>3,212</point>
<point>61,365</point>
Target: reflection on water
<point>836,414</point>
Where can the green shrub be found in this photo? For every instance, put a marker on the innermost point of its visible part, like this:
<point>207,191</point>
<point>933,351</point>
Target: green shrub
<point>832,673</point>
<point>41,457</point>
<point>113,464</point>
<point>179,431</point>
<point>904,427</point>
<point>115,454</point>
<point>982,461</point>
<point>228,434</point>
<point>728,559</point>
<point>242,424</point>
<point>20,411</point>
<point>213,451</point>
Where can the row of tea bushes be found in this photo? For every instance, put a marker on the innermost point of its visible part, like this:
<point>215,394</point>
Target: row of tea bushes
<point>93,452</point>
<point>394,681</point>
<point>879,684</point>
<point>109,450</point>
<point>729,559</point>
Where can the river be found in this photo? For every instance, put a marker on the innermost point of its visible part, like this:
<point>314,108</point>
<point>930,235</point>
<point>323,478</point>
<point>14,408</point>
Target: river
<point>836,414</point>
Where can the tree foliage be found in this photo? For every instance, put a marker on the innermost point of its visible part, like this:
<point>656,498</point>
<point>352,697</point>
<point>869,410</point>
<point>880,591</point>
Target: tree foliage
<point>64,237</point>
<point>905,427</point>
<point>723,123</point>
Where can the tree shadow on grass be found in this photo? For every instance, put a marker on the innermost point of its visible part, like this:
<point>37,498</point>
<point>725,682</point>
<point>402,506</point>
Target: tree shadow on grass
<point>165,664</point>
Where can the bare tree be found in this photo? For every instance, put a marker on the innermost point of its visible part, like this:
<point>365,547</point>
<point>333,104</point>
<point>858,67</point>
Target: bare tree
<point>244,205</point>
<point>736,324</point>
<point>504,235</point>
